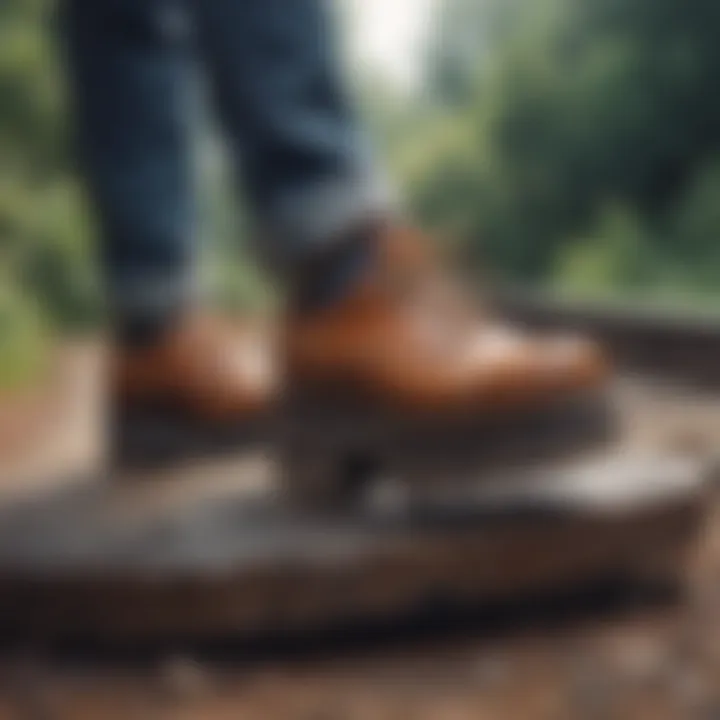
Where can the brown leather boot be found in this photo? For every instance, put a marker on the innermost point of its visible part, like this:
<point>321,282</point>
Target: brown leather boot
<point>403,371</point>
<point>205,384</point>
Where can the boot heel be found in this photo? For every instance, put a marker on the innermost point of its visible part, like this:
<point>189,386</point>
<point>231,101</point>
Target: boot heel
<point>325,461</point>
<point>309,477</point>
<point>322,477</point>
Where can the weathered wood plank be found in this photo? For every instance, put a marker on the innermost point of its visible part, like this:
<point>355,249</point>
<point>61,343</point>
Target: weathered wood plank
<point>140,559</point>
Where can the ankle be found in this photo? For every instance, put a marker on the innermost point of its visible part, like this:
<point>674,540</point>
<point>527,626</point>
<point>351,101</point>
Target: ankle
<point>143,331</point>
<point>330,275</point>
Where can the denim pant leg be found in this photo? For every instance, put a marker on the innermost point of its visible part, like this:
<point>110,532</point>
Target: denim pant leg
<point>127,67</point>
<point>301,153</point>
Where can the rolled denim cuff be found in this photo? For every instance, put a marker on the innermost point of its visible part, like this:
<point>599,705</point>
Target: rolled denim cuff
<point>150,297</point>
<point>308,222</point>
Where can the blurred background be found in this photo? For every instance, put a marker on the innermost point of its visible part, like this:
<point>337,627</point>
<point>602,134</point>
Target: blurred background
<point>569,143</point>
<point>564,145</point>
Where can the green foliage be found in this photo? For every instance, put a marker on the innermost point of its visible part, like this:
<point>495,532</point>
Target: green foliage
<point>696,225</point>
<point>43,227</point>
<point>48,279</point>
<point>562,105</point>
<point>615,256</point>
<point>23,337</point>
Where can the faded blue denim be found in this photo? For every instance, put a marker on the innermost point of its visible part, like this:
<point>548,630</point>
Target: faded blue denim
<point>300,154</point>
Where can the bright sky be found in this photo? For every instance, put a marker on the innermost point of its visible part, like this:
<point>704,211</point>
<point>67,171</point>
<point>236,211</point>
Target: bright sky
<point>391,34</point>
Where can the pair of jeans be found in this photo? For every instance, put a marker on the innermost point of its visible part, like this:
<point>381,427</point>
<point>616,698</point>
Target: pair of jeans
<point>299,151</point>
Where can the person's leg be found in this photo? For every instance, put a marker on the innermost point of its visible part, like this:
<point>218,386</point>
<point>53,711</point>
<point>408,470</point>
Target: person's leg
<point>387,335</point>
<point>126,64</point>
<point>301,153</point>
<point>130,85</point>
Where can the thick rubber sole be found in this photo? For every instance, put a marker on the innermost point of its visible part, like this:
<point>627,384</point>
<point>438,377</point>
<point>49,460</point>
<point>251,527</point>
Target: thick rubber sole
<point>156,438</point>
<point>330,458</point>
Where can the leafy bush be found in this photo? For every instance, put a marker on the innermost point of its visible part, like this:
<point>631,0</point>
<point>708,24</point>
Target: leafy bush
<point>23,338</point>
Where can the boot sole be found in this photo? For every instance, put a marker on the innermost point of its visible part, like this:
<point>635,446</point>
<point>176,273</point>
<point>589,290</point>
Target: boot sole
<point>331,458</point>
<point>155,438</point>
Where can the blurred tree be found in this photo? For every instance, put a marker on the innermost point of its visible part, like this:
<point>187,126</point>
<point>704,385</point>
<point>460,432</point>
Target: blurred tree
<point>567,103</point>
<point>43,230</point>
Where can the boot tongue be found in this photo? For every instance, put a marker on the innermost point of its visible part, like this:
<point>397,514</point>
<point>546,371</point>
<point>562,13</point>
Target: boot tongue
<point>412,270</point>
<point>401,247</point>
<point>329,277</point>
<point>386,265</point>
